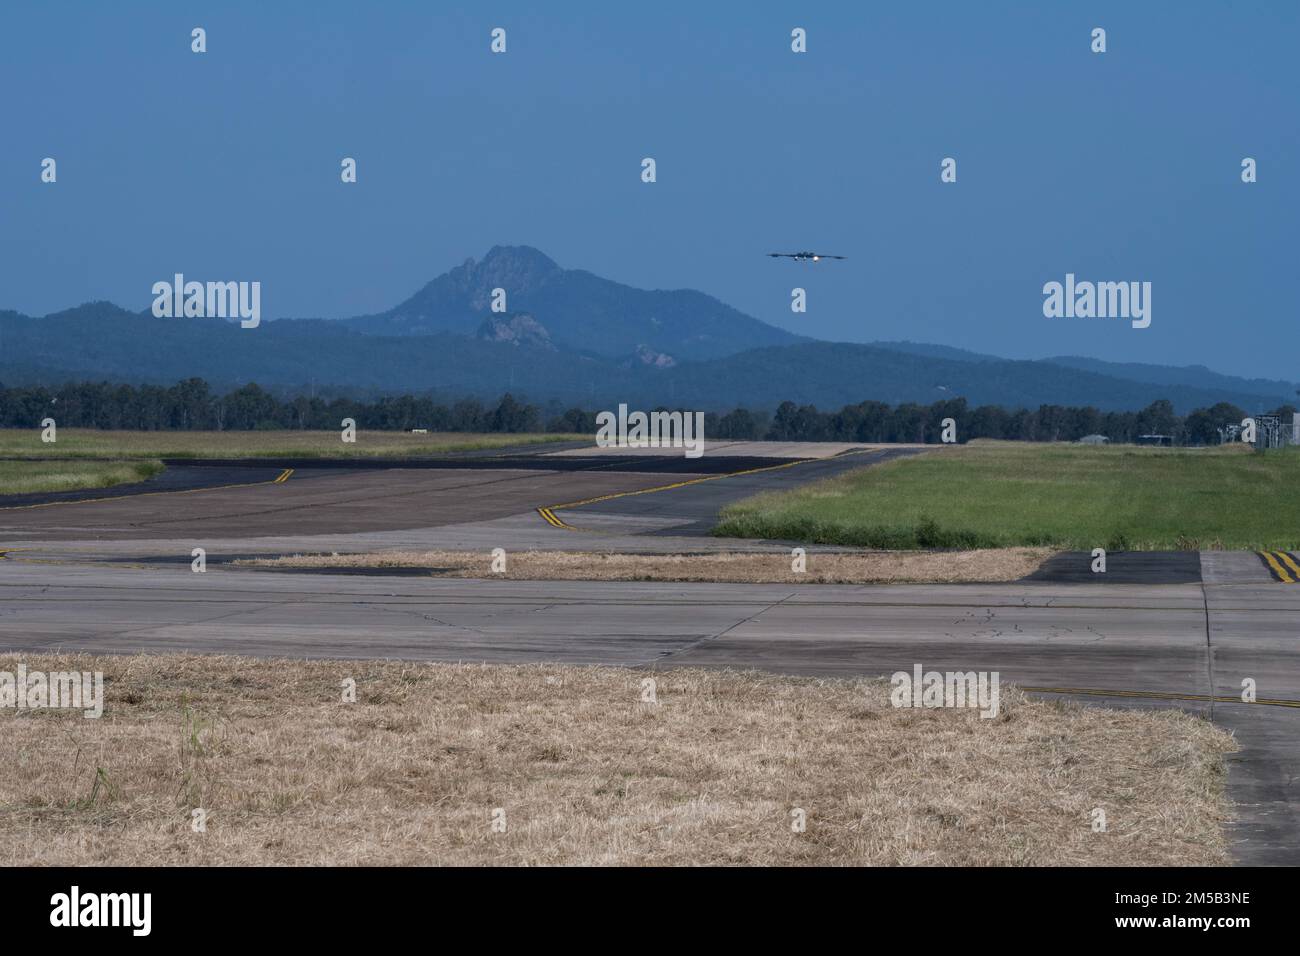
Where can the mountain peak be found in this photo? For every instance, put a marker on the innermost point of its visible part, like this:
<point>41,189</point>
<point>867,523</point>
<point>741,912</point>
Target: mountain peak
<point>520,269</point>
<point>521,256</point>
<point>580,311</point>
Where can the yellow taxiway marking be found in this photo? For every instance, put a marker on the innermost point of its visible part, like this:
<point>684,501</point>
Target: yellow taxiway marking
<point>548,513</point>
<point>1290,563</point>
<point>1282,565</point>
<point>552,520</point>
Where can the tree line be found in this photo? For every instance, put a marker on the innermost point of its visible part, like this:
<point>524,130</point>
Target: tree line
<point>191,405</point>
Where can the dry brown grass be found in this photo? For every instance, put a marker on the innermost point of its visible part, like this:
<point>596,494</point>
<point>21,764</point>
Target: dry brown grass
<point>585,772</point>
<point>868,567</point>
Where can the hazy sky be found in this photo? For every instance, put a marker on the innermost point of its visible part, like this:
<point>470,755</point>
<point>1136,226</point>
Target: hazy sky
<point>1116,166</point>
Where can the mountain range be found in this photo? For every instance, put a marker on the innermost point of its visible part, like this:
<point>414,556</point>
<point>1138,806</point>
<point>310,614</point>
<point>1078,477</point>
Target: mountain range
<point>570,336</point>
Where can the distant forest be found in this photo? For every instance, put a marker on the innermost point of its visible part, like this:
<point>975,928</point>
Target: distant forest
<point>192,406</point>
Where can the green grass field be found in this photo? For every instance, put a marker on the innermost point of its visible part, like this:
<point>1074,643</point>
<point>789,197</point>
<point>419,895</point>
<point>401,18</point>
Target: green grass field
<point>91,443</point>
<point>1076,497</point>
<point>24,477</point>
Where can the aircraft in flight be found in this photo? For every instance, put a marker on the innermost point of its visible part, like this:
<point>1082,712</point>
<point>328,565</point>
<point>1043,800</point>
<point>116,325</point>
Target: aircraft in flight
<point>804,256</point>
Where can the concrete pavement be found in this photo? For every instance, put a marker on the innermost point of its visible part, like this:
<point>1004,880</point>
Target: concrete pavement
<point>1148,645</point>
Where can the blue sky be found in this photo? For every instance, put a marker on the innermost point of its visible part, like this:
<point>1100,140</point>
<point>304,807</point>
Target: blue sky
<point>1119,166</point>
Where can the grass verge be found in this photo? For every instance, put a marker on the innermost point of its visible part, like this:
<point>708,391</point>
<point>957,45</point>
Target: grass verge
<point>1009,564</point>
<point>1075,497</point>
<point>24,477</point>
<point>585,772</point>
<point>91,443</point>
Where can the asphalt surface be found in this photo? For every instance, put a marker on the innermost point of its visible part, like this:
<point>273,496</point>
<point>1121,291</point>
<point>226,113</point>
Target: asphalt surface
<point>231,499</point>
<point>694,510</point>
<point>318,501</point>
<point>113,576</point>
<point>1123,567</point>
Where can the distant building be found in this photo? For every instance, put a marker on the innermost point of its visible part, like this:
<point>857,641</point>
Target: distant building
<point>1162,440</point>
<point>1093,440</point>
<point>1270,432</point>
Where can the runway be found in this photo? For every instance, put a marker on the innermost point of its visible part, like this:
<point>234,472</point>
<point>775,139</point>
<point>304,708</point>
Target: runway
<point>468,501</point>
<point>113,576</point>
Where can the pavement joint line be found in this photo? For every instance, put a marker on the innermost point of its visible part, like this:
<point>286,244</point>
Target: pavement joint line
<point>696,644</point>
<point>795,601</point>
<point>1159,695</point>
<point>558,523</point>
<point>1209,646</point>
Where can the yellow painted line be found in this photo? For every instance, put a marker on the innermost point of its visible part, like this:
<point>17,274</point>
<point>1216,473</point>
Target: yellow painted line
<point>551,509</point>
<point>679,484</point>
<point>284,476</point>
<point>558,522</point>
<point>550,518</point>
<point>84,563</point>
<point>1290,563</point>
<point>1278,571</point>
<point>1157,695</point>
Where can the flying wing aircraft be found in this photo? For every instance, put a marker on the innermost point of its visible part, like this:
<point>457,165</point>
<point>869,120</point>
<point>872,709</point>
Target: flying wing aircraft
<point>804,256</point>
